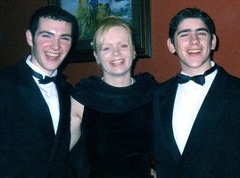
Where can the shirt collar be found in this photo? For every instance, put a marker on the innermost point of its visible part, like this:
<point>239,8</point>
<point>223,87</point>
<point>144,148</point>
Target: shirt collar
<point>212,64</point>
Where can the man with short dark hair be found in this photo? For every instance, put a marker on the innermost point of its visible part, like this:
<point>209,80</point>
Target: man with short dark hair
<point>35,100</point>
<point>197,112</point>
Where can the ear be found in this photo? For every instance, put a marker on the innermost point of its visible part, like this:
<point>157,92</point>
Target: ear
<point>214,42</point>
<point>96,57</point>
<point>29,38</point>
<point>134,55</point>
<point>170,46</point>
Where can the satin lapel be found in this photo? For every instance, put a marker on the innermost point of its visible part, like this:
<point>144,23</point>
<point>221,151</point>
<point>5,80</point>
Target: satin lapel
<point>60,124</point>
<point>63,131</point>
<point>209,114</point>
<point>166,111</point>
<point>33,100</point>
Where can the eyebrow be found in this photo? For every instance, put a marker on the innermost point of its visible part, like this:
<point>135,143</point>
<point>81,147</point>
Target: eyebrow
<point>41,32</point>
<point>189,30</point>
<point>50,33</point>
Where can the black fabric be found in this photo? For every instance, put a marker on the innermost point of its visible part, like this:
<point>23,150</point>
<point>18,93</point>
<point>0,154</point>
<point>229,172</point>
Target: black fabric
<point>29,147</point>
<point>95,93</point>
<point>199,79</point>
<point>116,128</point>
<point>212,148</point>
<point>42,80</point>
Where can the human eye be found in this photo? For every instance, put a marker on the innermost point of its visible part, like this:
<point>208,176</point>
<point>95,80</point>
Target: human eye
<point>202,33</point>
<point>124,46</point>
<point>183,35</point>
<point>45,35</point>
<point>105,48</point>
<point>66,38</point>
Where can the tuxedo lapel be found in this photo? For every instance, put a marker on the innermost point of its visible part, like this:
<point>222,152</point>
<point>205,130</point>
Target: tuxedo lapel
<point>62,124</point>
<point>166,111</point>
<point>212,146</point>
<point>29,143</point>
<point>37,106</point>
<point>208,116</point>
<point>63,131</point>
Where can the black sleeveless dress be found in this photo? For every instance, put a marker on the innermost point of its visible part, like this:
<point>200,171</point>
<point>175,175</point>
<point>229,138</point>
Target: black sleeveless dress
<point>116,130</point>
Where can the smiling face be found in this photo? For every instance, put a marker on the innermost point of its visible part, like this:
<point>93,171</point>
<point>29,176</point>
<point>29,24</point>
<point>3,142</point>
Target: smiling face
<point>115,52</point>
<point>193,45</point>
<point>51,44</point>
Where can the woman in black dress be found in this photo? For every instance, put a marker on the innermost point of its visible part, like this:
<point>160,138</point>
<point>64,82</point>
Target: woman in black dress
<point>114,111</point>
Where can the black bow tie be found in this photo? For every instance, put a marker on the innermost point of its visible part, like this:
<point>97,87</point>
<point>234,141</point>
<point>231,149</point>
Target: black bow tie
<point>199,79</point>
<point>42,80</point>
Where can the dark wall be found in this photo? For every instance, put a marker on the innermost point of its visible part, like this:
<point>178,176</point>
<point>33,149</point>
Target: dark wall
<point>13,24</point>
<point>15,14</point>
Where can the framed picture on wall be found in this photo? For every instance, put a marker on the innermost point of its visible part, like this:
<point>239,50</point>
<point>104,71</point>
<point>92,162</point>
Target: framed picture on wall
<point>90,12</point>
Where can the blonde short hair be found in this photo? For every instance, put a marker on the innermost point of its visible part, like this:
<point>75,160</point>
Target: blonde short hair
<point>104,26</point>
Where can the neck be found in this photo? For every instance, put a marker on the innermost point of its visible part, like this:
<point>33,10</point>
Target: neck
<point>119,82</point>
<point>193,71</point>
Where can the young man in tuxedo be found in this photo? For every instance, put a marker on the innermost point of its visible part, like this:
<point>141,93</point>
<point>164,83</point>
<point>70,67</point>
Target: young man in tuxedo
<point>197,112</point>
<point>35,100</point>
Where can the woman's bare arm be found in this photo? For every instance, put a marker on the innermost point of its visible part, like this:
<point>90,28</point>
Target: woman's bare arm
<point>76,119</point>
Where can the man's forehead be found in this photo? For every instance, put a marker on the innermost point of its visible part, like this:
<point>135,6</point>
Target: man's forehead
<point>191,23</point>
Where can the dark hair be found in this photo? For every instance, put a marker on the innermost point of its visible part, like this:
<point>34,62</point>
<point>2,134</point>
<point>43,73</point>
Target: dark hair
<point>55,13</point>
<point>190,13</point>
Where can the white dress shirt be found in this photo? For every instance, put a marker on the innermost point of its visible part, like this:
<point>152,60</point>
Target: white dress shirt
<point>188,101</point>
<point>49,92</point>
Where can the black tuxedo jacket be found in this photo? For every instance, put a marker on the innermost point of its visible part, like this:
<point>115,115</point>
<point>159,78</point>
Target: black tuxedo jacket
<point>28,144</point>
<point>213,147</point>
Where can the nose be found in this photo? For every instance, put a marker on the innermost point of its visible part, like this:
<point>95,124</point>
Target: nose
<point>194,38</point>
<point>55,44</point>
<point>116,51</point>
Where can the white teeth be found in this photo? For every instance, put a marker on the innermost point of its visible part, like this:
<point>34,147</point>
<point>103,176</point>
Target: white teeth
<point>194,51</point>
<point>52,54</point>
<point>116,62</point>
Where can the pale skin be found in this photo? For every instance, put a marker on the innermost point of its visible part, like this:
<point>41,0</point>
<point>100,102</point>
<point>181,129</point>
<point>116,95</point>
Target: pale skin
<point>50,45</point>
<point>193,46</point>
<point>115,57</point>
<point>76,119</point>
